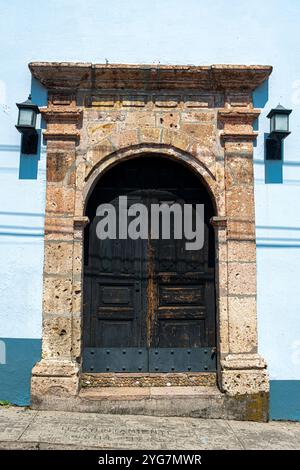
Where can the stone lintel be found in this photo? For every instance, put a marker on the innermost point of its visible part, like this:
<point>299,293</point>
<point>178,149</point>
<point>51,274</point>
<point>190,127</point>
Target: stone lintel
<point>74,76</point>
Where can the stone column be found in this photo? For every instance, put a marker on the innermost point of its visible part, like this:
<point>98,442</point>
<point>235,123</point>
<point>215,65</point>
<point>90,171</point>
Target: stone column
<point>57,373</point>
<point>220,227</point>
<point>242,369</point>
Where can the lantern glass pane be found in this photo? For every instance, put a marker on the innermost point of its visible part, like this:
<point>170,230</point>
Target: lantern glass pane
<point>272,124</point>
<point>26,117</point>
<point>281,122</point>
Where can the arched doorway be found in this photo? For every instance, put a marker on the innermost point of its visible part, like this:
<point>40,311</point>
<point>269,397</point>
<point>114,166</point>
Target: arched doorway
<point>149,303</point>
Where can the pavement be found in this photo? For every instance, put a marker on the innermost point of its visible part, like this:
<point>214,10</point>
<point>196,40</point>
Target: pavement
<point>22,428</point>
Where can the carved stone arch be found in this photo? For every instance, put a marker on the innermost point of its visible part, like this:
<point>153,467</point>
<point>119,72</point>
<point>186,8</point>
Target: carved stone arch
<point>138,151</point>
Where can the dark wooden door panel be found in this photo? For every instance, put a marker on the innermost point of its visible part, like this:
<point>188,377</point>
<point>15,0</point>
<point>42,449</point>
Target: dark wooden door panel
<point>148,304</point>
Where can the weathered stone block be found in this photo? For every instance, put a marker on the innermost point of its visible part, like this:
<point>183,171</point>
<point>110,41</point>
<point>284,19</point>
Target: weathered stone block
<point>203,132</point>
<point>149,135</point>
<point>137,119</point>
<point>241,230</point>
<point>242,324</point>
<point>58,164</point>
<point>244,251</point>
<point>125,139</point>
<point>59,200</point>
<point>57,334</point>
<point>58,258</point>
<point>102,149</point>
<point>58,228</point>
<point>240,202</point>
<point>98,132</point>
<point>245,382</point>
<point>239,170</point>
<point>168,120</point>
<point>241,278</point>
<point>198,116</point>
<point>57,295</point>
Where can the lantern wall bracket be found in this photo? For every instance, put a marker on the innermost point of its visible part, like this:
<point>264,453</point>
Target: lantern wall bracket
<point>279,130</point>
<point>29,143</point>
<point>28,112</point>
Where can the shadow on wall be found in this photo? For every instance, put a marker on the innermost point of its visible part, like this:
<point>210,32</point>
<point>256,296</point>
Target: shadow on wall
<point>261,95</point>
<point>28,168</point>
<point>260,98</point>
<point>273,168</point>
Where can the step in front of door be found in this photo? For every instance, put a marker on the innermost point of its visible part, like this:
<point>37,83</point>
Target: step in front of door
<point>201,402</point>
<point>149,360</point>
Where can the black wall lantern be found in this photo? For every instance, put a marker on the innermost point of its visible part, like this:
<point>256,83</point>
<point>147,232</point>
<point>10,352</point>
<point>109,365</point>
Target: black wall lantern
<point>26,126</point>
<point>279,130</point>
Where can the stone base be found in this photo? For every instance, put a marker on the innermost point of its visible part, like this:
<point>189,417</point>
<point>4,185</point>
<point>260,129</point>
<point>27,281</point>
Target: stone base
<point>194,402</point>
<point>244,374</point>
<point>54,378</point>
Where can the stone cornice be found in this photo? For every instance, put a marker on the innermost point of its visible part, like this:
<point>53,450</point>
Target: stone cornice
<point>238,115</point>
<point>74,76</point>
<point>239,136</point>
<point>61,135</point>
<point>61,114</point>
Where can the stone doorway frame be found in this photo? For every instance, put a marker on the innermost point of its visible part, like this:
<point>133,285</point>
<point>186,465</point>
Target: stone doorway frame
<point>98,115</point>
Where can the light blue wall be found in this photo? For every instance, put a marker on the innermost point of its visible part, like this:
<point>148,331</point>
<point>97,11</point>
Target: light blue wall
<point>169,32</point>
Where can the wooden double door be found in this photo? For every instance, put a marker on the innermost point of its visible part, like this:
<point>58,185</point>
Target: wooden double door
<point>149,304</point>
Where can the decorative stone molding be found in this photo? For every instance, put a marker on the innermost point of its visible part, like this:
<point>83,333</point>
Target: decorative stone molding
<point>62,114</point>
<point>80,222</point>
<point>75,76</point>
<point>62,123</point>
<point>243,361</point>
<point>238,136</point>
<point>57,135</point>
<point>98,115</point>
<point>240,115</point>
<point>59,378</point>
<point>219,222</point>
<point>237,124</point>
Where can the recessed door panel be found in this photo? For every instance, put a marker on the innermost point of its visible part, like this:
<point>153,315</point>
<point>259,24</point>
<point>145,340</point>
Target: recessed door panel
<point>148,303</point>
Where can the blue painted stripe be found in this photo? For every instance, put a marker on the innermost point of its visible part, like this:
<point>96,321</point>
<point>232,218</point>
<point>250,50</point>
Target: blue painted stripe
<point>19,356</point>
<point>285,400</point>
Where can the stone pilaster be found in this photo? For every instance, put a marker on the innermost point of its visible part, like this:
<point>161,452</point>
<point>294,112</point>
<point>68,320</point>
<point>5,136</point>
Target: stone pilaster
<point>58,371</point>
<point>242,369</point>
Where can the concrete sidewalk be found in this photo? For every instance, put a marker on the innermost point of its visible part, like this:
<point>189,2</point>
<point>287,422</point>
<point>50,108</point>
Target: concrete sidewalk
<point>21,428</point>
